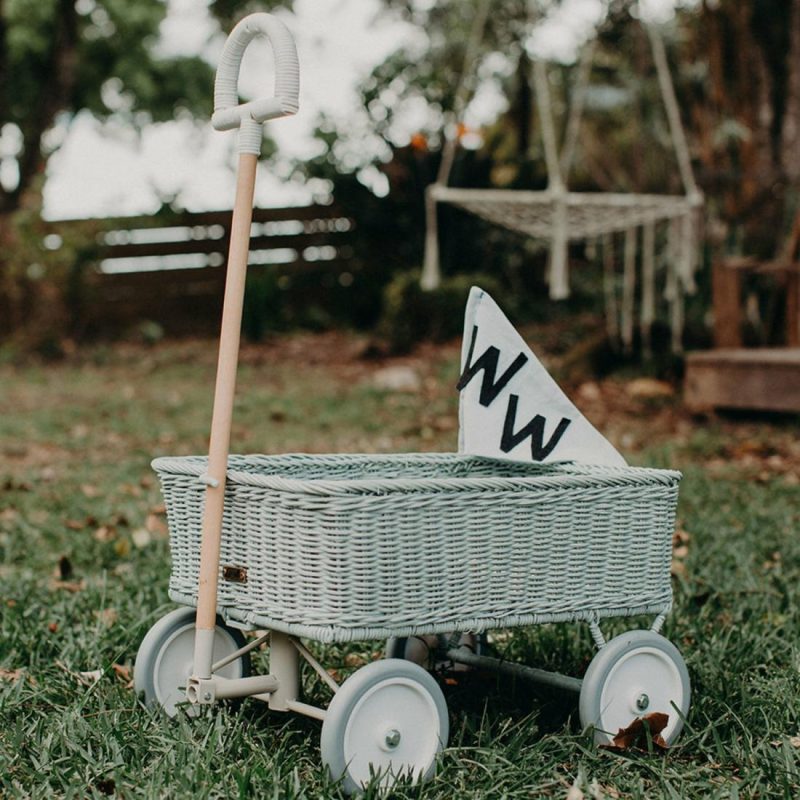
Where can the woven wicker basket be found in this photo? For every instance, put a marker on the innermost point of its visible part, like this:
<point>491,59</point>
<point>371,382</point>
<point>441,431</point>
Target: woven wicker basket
<point>347,547</point>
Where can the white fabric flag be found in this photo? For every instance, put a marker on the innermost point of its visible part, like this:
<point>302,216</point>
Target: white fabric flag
<point>510,407</point>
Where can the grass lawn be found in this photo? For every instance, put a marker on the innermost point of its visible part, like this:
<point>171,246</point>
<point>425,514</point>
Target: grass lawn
<point>84,564</point>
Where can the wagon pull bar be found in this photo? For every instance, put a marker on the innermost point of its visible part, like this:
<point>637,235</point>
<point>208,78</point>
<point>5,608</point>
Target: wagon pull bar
<point>463,655</point>
<point>248,118</point>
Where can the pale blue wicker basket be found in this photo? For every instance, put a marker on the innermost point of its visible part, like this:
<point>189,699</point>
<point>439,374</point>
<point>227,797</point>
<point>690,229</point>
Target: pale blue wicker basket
<point>346,547</point>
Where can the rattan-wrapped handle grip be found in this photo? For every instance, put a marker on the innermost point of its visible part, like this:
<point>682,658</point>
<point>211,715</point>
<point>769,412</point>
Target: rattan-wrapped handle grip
<point>228,113</point>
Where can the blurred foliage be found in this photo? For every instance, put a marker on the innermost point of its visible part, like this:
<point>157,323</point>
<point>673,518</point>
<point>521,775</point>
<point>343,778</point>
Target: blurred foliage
<point>411,313</point>
<point>736,70</point>
<point>44,286</point>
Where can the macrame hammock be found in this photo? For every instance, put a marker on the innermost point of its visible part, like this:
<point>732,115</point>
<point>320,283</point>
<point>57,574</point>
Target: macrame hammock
<point>561,216</point>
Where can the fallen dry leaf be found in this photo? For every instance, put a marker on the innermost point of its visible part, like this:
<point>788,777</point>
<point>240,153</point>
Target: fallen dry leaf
<point>8,515</point>
<point>52,627</point>
<point>90,490</point>
<point>108,616</point>
<point>157,525</point>
<point>105,533</point>
<point>68,586</point>
<point>123,672</point>
<point>648,388</point>
<point>354,660</point>
<point>87,678</point>
<point>681,536</point>
<point>574,792</point>
<point>10,675</point>
<point>635,736</point>
<point>677,568</point>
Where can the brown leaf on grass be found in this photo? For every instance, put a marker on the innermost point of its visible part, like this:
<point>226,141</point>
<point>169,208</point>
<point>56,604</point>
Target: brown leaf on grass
<point>90,490</point>
<point>108,616</point>
<point>159,508</point>
<point>157,525</point>
<point>649,388</point>
<point>123,672</point>
<point>574,792</point>
<point>10,675</point>
<point>677,568</point>
<point>635,736</point>
<point>80,524</point>
<point>681,537</point>
<point>68,586</point>
<point>88,678</point>
<point>9,515</point>
<point>105,533</point>
<point>52,627</point>
<point>354,660</point>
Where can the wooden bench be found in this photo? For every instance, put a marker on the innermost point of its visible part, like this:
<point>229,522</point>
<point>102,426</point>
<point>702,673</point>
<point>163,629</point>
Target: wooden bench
<point>731,376</point>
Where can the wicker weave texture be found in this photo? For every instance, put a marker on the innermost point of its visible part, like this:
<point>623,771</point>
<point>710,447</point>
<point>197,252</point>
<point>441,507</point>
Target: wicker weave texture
<point>347,547</point>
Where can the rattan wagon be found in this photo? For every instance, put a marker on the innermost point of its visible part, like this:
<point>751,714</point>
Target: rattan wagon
<point>404,547</point>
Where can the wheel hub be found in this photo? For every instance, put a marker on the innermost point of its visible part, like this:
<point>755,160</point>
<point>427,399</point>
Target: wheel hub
<point>642,702</point>
<point>391,739</point>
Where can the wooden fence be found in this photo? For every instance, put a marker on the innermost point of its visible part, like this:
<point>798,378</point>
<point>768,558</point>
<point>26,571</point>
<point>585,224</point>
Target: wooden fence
<point>171,268</point>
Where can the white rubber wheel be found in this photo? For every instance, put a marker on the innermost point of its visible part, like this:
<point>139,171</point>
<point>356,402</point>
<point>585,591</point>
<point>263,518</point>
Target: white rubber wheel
<point>164,660</point>
<point>635,674</point>
<point>389,717</point>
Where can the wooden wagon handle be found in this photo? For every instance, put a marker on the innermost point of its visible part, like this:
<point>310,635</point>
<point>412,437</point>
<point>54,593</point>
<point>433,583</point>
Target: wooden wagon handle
<point>249,146</point>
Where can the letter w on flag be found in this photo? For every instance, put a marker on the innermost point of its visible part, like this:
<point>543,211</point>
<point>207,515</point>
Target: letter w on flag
<point>509,406</point>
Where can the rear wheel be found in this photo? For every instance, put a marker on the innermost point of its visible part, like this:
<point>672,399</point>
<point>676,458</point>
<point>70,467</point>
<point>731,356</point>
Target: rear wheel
<point>635,674</point>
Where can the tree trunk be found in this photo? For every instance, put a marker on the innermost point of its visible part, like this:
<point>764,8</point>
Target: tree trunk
<point>790,133</point>
<point>54,97</point>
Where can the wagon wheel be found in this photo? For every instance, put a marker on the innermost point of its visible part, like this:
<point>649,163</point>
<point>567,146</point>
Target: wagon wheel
<point>635,674</point>
<point>388,718</point>
<point>430,651</point>
<point>164,661</point>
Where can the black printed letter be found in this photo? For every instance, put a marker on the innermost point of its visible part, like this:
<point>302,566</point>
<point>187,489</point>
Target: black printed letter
<point>488,363</point>
<point>534,429</point>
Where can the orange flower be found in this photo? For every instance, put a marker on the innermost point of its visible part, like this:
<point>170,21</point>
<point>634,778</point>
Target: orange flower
<point>419,142</point>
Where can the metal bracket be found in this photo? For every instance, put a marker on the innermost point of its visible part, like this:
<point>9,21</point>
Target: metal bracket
<point>206,691</point>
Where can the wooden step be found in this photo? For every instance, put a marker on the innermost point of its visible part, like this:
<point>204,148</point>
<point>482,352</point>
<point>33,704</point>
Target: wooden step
<point>760,379</point>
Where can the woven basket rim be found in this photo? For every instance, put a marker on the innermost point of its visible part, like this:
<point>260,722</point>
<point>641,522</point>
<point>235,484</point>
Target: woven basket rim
<point>560,475</point>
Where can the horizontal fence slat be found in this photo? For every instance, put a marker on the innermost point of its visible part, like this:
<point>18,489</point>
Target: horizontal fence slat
<point>139,272</point>
<point>186,246</point>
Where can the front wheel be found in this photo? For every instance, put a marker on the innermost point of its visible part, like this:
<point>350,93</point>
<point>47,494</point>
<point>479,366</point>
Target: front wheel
<point>632,675</point>
<point>390,719</point>
<point>165,659</point>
